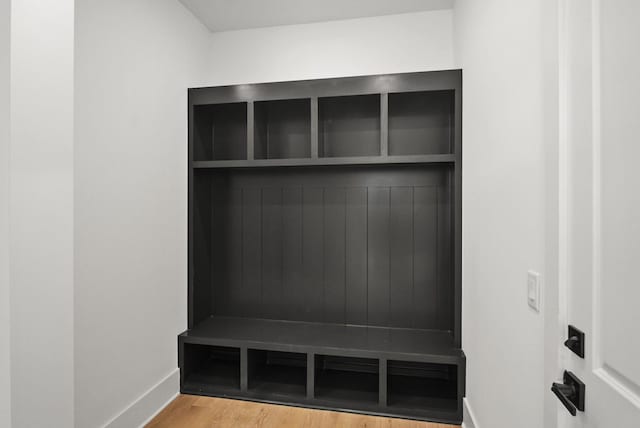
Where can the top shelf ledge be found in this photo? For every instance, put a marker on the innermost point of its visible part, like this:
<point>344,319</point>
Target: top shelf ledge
<point>364,160</point>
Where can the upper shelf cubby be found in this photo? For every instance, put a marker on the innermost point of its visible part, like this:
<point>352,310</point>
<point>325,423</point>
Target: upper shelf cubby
<point>349,126</point>
<point>421,123</point>
<point>282,129</point>
<point>409,118</point>
<point>220,131</point>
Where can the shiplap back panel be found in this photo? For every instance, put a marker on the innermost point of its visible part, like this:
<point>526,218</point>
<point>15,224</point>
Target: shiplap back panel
<point>365,246</point>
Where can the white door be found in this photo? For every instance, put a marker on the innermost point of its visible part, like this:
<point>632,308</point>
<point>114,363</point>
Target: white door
<point>600,206</point>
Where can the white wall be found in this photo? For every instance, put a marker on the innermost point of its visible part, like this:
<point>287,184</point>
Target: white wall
<point>41,216</point>
<point>388,44</point>
<point>499,46</point>
<point>134,63</point>
<point>5,121</point>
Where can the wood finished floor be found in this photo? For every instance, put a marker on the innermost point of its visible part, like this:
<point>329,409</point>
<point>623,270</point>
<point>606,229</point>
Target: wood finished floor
<point>204,412</point>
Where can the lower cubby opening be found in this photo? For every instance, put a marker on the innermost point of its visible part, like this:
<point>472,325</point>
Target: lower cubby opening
<point>347,380</point>
<point>419,387</point>
<point>210,369</point>
<point>273,373</point>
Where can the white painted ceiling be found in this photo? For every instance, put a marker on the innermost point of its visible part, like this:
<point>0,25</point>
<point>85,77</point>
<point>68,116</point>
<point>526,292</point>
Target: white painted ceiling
<point>225,15</point>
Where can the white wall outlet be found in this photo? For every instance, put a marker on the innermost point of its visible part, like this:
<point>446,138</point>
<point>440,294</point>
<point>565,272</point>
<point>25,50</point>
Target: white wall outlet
<point>533,290</point>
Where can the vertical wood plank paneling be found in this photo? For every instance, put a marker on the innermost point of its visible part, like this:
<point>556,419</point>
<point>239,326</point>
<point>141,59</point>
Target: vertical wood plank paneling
<point>234,257</point>
<point>271,252</point>
<point>401,256</point>
<point>356,255</point>
<point>312,252</point>
<point>425,291</point>
<point>378,256</point>
<point>445,261</point>
<point>227,242</point>
<point>200,275</point>
<point>334,255</point>
<point>220,294</point>
<point>252,250</point>
<point>292,270</point>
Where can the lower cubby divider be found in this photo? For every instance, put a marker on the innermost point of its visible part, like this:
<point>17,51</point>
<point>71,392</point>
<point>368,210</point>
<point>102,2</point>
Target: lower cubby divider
<point>311,375</point>
<point>382,391</point>
<point>244,370</point>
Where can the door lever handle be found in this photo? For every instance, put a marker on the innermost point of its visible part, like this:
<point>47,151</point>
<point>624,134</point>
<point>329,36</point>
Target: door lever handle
<point>571,342</point>
<point>575,341</point>
<point>570,392</point>
<point>565,393</point>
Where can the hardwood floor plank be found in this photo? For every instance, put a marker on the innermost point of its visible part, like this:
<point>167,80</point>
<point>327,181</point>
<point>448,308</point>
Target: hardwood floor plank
<point>190,411</point>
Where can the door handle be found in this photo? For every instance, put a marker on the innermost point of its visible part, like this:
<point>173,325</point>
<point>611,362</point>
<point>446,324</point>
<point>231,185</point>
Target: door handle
<point>575,342</point>
<point>565,393</point>
<point>570,392</point>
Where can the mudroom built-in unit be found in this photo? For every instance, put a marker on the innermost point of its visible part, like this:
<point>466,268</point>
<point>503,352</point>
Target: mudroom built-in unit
<point>325,244</point>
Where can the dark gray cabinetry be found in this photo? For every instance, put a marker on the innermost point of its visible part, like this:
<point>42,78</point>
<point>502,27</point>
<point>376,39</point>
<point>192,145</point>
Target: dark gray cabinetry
<point>325,245</point>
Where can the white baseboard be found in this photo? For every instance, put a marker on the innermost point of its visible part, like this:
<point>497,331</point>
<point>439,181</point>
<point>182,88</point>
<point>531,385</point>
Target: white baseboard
<point>468,416</point>
<point>149,404</point>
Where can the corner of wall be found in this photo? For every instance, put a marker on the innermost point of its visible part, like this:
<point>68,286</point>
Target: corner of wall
<point>5,309</point>
<point>149,404</point>
<point>144,55</point>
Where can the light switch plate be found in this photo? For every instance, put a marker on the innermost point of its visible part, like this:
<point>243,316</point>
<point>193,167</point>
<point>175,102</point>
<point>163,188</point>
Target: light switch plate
<point>533,290</point>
